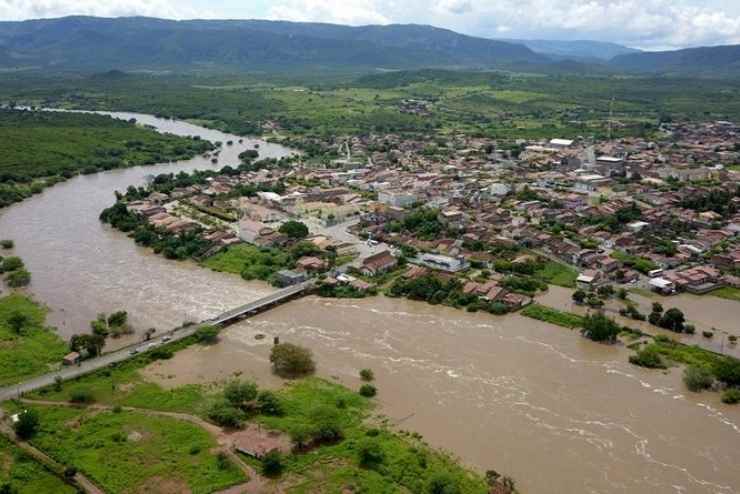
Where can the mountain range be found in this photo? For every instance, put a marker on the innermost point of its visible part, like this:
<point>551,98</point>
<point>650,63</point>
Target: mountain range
<point>138,43</point>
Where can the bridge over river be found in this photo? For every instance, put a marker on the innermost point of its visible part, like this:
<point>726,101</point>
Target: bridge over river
<point>91,365</point>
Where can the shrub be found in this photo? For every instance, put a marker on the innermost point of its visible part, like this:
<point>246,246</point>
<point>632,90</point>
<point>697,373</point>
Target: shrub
<point>367,375</point>
<point>27,425</point>
<point>697,378</point>
<point>443,483</point>
<point>82,396</point>
<point>368,390</point>
<point>648,357</point>
<point>728,371</point>
<point>731,396</point>
<point>707,334</point>
<point>7,244</point>
<point>9,264</point>
<point>272,463</point>
<point>239,393</point>
<point>270,404</point>
<point>294,229</point>
<point>225,414</point>
<point>18,278</point>
<point>161,354</point>
<point>290,360</point>
<point>370,454</point>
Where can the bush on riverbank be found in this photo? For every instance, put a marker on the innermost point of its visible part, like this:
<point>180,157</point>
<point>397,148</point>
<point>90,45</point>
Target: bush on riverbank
<point>553,316</point>
<point>27,348</point>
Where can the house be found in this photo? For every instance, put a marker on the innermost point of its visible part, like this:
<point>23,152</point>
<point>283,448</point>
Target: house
<point>250,230</point>
<point>72,358</point>
<point>443,263</point>
<point>311,263</point>
<point>378,263</point>
<point>288,278</point>
<point>589,278</point>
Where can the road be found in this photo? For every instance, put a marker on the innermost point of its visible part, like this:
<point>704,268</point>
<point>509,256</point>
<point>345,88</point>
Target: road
<point>340,233</point>
<point>91,365</point>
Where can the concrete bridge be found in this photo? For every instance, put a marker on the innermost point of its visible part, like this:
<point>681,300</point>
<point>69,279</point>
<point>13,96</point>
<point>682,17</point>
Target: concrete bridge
<point>92,365</point>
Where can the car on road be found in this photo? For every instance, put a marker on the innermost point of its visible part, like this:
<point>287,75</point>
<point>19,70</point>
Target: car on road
<point>133,351</point>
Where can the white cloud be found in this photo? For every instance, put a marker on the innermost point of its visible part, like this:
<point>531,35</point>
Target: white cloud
<point>643,23</point>
<point>34,9</point>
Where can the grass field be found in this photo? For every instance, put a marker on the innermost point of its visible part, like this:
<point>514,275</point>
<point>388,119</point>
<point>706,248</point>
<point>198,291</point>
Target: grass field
<point>249,261</point>
<point>35,350</point>
<point>729,293</point>
<point>123,385</point>
<point>558,274</point>
<point>125,451</point>
<point>553,316</point>
<point>25,476</point>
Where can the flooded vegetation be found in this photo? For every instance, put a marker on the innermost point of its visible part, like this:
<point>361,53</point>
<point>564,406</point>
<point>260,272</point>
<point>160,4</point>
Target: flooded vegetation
<point>557,412</point>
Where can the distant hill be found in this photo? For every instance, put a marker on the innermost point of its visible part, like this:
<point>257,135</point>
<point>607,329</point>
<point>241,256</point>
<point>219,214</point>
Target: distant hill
<point>581,50</point>
<point>101,44</point>
<point>715,60</point>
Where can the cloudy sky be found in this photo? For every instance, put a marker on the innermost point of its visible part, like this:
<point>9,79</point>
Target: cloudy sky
<point>649,24</point>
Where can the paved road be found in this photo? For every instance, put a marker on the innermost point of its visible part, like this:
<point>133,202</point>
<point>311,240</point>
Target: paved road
<point>128,352</point>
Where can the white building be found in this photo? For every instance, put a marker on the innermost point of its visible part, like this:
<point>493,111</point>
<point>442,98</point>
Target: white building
<point>397,199</point>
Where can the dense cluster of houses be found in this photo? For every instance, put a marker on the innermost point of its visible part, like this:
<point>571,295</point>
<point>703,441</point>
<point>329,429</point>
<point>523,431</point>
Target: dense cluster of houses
<point>616,211</point>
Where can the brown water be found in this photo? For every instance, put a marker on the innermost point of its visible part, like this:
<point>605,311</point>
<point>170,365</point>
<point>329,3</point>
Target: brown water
<point>81,267</point>
<point>559,413</point>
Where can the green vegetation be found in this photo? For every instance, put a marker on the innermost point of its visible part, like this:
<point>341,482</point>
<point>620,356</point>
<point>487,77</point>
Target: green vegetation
<point>558,274</point>
<point>249,261</point>
<point>703,366</point>
<point>697,378</point>
<point>553,316</point>
<point>731,396</point>
<point>43,148</point>
<point>648,357</point>
<point>294,229</point>
<point>598,327</point>
<point>729,293</point>
<point>27,348</point>
<point>290,360</point>
<point>122,450</point>
<point>22,474</point>
<point>640,264</point>
<point>366,459</point>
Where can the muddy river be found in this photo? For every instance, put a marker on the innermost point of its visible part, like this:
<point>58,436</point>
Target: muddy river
<point>559,413</point>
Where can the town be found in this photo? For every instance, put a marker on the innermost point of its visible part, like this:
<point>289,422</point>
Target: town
<point>499,219</point>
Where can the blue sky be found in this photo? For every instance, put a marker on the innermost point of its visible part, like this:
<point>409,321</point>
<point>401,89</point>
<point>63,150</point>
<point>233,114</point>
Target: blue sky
<point>649,24</point>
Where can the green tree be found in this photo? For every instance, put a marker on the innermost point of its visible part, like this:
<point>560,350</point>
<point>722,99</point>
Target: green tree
<point>294,229</point>
<point>272,463</point>
<point>28,424</point>
<point>579,296</point>
<point>598,327</point>
<point>207,334</point>
<point>290,360</point>
<point>673,320</point>
<point>118,319</point>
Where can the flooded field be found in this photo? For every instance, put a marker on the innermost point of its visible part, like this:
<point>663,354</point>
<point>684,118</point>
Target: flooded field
<point>558,412</point>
